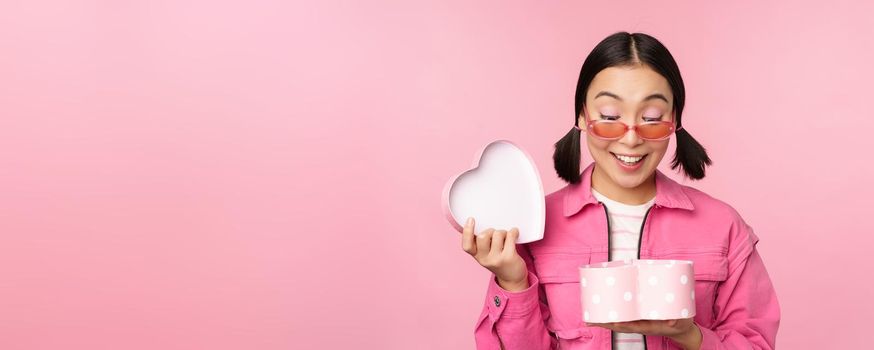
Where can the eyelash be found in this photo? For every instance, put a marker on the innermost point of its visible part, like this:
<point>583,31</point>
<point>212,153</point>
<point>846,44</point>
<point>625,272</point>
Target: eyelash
<point>644,119</point>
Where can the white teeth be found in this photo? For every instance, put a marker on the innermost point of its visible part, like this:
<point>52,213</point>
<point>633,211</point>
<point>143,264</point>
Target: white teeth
<point>626,159</point>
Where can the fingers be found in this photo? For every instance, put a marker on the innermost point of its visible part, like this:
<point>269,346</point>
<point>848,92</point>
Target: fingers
<point>488,242</point>
<point>468,239</point>
<point>510,241</point>
<point>653,327</point>
<point>483,243</point>
<point>498,242</point>
<point>609,326</point>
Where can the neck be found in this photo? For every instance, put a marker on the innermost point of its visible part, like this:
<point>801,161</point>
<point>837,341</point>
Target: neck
<point>638,195</point>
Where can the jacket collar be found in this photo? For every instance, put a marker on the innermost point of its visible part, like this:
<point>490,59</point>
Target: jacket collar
<point>668,193</point>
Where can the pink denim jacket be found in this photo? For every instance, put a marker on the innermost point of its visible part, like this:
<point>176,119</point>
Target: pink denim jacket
<point>736,305</point>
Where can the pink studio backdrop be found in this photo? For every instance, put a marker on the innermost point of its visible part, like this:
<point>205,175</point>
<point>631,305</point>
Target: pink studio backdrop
<point>266,175</point>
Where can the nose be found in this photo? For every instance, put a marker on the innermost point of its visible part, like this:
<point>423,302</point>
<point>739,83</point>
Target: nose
<point>631,138</point>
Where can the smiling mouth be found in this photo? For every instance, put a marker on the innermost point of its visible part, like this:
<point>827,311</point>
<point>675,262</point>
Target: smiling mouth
<point>629,160</point>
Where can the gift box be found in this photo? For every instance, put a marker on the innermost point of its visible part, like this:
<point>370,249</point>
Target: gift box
<point>628,290</point>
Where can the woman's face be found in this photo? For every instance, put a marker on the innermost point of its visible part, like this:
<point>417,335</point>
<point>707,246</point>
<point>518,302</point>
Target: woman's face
<point>633,94</point>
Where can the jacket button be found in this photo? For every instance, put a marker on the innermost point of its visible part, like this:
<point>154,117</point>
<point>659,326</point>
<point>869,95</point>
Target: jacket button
<point>497,301</point>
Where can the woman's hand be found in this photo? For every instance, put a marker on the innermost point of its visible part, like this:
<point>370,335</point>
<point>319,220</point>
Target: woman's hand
<point>683,331</point>
<point>496,251</point>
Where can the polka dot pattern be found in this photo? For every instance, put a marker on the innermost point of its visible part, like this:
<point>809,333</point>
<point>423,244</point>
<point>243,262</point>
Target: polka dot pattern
<point>627,290</point>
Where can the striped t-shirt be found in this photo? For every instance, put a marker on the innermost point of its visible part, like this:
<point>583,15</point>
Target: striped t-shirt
<point>625,221</point>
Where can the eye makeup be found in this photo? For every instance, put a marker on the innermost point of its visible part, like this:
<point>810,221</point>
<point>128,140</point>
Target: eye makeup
<point>650,115</point>
<point>608,111</point>
<point>653,114</point>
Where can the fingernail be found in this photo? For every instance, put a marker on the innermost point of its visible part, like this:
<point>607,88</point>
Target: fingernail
<point>469,220</point>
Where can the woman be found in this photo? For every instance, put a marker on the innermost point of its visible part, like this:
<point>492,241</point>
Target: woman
<point>629,101</point>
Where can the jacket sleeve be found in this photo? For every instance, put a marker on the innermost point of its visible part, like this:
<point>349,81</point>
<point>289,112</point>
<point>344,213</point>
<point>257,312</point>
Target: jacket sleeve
<point>514,320</point>
<point>746,308</point>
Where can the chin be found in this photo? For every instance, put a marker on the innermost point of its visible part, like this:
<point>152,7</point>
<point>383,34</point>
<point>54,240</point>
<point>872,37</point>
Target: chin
<point>628,181</point>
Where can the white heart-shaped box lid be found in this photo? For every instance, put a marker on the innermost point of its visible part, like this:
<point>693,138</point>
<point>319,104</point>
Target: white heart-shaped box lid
<point>502,190</point>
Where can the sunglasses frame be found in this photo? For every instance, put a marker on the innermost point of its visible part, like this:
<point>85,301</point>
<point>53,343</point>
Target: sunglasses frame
<point>590,125</point>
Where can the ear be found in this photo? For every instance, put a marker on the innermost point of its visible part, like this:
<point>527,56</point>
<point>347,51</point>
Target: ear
<point>582,119</point>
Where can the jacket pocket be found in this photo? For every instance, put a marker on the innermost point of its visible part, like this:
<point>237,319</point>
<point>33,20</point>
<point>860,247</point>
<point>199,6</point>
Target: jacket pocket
<point>711,269</point>
<point>559,275</point>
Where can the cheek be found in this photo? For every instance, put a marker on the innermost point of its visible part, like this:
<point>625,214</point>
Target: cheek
<point>597,145</point>
<point>657,151</point>
<point>660,147</point>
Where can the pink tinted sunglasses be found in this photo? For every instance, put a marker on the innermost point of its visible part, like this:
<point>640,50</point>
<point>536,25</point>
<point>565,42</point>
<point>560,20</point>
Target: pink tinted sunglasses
<point>614,129</point>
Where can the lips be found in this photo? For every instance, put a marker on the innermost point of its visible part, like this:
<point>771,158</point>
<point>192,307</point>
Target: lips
<point>629,159</point>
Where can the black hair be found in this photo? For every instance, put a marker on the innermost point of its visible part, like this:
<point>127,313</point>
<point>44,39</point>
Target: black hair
<point>629,49</point>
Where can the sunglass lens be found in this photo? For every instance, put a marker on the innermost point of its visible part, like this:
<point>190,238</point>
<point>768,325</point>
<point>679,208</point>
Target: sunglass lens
<point>654,130</point>
<point>609,129</point>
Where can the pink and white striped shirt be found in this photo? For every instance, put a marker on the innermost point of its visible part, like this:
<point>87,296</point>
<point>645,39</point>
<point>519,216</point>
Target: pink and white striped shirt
<point>624,223</point>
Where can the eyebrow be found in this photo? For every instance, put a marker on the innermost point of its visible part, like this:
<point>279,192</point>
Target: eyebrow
<point>650,97</point>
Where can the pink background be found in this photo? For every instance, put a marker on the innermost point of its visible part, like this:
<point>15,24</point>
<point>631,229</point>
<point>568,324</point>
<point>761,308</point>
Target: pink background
<point>266,175</point>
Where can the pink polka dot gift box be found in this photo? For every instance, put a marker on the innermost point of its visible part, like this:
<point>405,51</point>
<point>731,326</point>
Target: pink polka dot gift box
<point>627,290</point>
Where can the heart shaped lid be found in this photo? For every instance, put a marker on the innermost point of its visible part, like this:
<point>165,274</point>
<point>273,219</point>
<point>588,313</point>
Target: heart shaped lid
<point>502,190</point>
